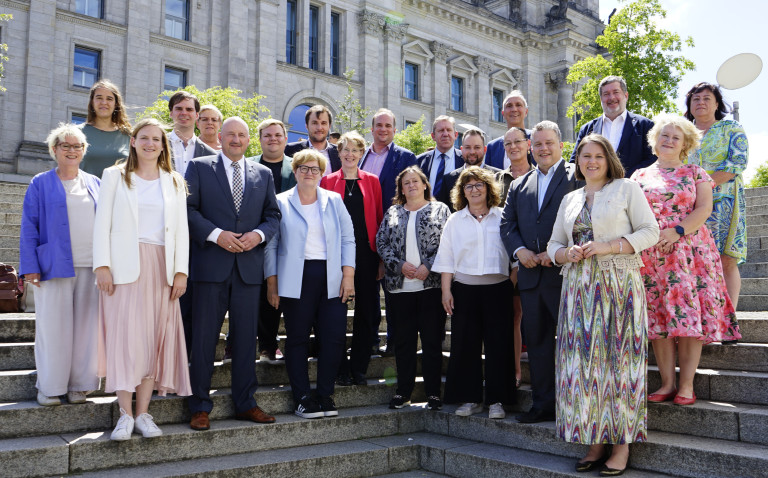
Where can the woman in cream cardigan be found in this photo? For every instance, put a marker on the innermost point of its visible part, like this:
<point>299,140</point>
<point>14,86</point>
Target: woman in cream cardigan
<point>140,257</point>
<point>601,337</point>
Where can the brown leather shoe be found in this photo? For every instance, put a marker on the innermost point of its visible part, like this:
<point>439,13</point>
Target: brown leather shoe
<point>257,415</point>
<point>200,421</point>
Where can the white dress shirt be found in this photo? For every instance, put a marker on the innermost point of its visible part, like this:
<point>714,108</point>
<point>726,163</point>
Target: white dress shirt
<point>469,247</point>
<point>613,129</point>
<point>450,164</point>
<point>181,155</point>
<point>229,170</point>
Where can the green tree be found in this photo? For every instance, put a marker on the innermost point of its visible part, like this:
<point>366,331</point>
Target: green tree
<point>228,100</point>
<point>414,138</point>
<point>568,149</point>
<point>638,50</point>
<point>4,17</point>
<point>352,116</point>
<point>761,177</point>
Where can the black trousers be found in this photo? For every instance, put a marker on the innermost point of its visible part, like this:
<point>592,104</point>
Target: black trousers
<point>482,319</point>
<point>185,304</point>
<point>417,314</point>
<point>367,311</point>
<point>329,316</point>
<point>210,303</point>
<point>269,323</point>
<point>541,306</point>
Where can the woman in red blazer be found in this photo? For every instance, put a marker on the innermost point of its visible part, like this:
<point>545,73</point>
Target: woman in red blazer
<point>361,192</point>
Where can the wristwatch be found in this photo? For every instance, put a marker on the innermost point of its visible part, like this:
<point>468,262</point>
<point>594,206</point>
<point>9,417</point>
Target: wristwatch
<point>680,230</point>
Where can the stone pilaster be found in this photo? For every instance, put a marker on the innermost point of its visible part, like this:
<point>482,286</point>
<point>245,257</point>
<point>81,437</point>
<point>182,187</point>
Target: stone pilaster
<point>440,80</point>
<point>394,33</point>
<point>557,83</point>
<point>484,94</point>
<point>370,26</point>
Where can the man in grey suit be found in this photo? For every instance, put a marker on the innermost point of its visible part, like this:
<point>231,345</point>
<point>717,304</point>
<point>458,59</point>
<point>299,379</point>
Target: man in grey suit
<point>526,226</point>
<point>473,153</point>
<point>439,162</point>
<point>232,213</point>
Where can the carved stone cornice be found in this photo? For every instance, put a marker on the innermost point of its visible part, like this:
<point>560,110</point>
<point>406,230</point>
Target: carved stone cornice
<point>483,64</point>
<point>24,7</point>
<point>556,79</point>
<point>517,74</point>
<point>370,23</point>
<point>179,44</point>
<point>441,51</point>
<point>91,22</point>
<point>395,31</point>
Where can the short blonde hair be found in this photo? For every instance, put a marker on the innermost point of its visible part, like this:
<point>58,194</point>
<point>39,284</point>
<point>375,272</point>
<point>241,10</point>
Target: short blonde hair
<point>352,137</point>
<point>691,134</point>
<point>214,109</point>
<point>271,122</point>
<point>493,191</point>
<point>306,155</point>
<point>61,132</point>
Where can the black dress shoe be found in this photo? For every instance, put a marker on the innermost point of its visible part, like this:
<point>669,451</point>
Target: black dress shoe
<point>582,466</point>
<point>359,380</point>
<point>535,415</point>
<point>605,471</point>
<point>344,381</point>
<point>387,351</point>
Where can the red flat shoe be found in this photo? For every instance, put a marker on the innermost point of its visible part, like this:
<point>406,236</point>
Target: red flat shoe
<point>685,400</point>
<point>662,397</point>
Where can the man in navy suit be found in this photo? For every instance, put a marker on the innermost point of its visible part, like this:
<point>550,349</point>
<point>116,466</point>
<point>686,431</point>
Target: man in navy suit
<point>438,163</point>
<point>515,110</point>
<point>473,152</point>
<point>526,226</point>
<point>232,213</point>
<point>627,132</point>
<point>318,120</point>
<point>386,160</point>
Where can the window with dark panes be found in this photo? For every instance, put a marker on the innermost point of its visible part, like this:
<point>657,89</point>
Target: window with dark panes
<point>290,32</point>
<point>335,44</point>
<point>498,105</point>
<point>411,74</point>
<point>87,65</point>
<point>92,8</point>
<point>174,78</point>
<point>314,17</point>
<point>457,93</point>
<point>177,19</point>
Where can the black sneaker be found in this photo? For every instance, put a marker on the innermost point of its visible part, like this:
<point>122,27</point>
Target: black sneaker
<point>434,403</point>
<point>344,381</point>
<point>308,408</point>
<point>328,407</point>
<point>399,401</point>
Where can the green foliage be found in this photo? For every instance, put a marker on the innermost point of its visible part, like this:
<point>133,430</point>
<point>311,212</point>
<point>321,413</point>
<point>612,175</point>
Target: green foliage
<point>228,100</point>
<point>352,116</point>
<point>4,17</point>
<point>641,53</point>
<point>761,177</point>
<point>568,149</point>
<point>414,138</point>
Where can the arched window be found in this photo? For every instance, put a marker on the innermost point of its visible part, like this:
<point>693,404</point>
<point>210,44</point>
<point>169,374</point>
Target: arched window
<point>298,129</point>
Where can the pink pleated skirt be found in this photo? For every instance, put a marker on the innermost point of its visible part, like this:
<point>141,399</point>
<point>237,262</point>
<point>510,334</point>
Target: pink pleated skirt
<point>140,331</point>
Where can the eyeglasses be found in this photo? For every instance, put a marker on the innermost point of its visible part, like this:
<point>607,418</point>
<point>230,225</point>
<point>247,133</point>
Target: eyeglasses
<point>353,151</point>
<point>477,186</point>
<point>70,147</point>
<point>306,169</point>
<point>517,141</point>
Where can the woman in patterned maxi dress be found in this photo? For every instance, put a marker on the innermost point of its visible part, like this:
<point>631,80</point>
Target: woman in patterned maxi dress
<point>601,338</point>
<point>688,304</point>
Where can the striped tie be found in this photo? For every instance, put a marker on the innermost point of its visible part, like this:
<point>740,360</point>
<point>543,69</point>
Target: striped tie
<point>237,185</point>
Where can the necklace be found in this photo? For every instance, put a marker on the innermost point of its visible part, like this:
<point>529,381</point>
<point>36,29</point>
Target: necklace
<point>350,189</point>
<point>479,217</point>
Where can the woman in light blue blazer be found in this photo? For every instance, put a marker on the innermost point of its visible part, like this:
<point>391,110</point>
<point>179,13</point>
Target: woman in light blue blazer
<point>310,270</point>
<point>56,257</point>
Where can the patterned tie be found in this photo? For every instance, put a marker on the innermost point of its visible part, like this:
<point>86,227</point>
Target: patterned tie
<point>237,185</point>
<point>439,176</point>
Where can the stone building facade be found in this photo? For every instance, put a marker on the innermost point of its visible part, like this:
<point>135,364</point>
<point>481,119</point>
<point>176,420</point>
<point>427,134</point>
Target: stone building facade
<point>415,57</point>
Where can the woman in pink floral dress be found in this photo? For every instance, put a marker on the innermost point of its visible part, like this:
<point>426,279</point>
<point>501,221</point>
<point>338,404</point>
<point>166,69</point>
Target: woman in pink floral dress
<point>688,304</point>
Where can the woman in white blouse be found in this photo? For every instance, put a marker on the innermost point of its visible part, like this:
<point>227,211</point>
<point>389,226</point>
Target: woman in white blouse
<point>140,257</point>
<point>478,294</point>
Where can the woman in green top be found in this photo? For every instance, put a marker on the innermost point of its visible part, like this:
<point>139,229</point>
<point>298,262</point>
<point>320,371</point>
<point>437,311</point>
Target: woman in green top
<point>107,129</point>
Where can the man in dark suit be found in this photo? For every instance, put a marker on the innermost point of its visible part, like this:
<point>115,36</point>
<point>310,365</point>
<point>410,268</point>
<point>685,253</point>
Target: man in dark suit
<point>386,160</point>
<point>318,120</point>
<point>439,162</point>
<point>627,132</point>
<point>232,213</point>
<point>526,226</point>
<point>515,110</point>
<point>473,152</point>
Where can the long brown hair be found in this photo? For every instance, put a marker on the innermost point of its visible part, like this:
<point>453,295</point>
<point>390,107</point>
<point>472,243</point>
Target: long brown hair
<point>163,161</point>
<point>119,116</point>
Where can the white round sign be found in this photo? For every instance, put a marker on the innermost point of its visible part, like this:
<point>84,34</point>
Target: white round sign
<point>739,71</point>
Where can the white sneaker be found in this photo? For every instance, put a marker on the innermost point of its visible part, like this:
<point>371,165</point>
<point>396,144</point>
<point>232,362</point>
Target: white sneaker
<point>124,427</point>
<point>469,409</point>
<point>76,397</point>
<point>47,401</point>
<point>496,410</point>
<point>146,425</point>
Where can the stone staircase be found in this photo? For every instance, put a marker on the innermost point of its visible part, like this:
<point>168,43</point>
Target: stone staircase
<point>724,434</point>
<point>11,200</point>
<point>754,285</point>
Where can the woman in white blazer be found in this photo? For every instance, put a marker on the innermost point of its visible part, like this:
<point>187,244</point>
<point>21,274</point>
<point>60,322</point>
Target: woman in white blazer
<point>310,270</point>
<point>141,257</point>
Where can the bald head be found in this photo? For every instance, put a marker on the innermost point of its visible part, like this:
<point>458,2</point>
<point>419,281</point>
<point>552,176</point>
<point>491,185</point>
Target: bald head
<point>234,138</point>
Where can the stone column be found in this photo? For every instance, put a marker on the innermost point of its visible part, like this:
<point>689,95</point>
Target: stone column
<point>370,26</point>
<point>271,26</point>
<point>556,81</point>
<point>38,91</point>
<point>441,82</point>
<point>394,33</point>
<point>137,50</point>
<point>236,48</point>
<point>484,95</point>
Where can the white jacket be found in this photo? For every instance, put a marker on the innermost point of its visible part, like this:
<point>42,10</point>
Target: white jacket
<point>116,228</point>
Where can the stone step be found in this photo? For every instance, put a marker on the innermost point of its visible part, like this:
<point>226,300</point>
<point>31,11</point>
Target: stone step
<point>741,356</point>
<point>754,286</point>
<point>752,192</point>
<point>13,188</point>
<point>756,243</point>
<point>757,219</point>
<point>754,270</point>
<point>10,198</point>
<point>757,255</point>
<point>9,241</point>
<point>10,255</point>
<point>757,230</point>
<point>13,230</point>
<point>10,218</point>
<point>756,201</point>
<point>753,303</point>
<point>11,207</point>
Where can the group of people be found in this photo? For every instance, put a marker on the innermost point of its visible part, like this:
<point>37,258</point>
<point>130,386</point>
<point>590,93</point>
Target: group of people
<point>637,238</point>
